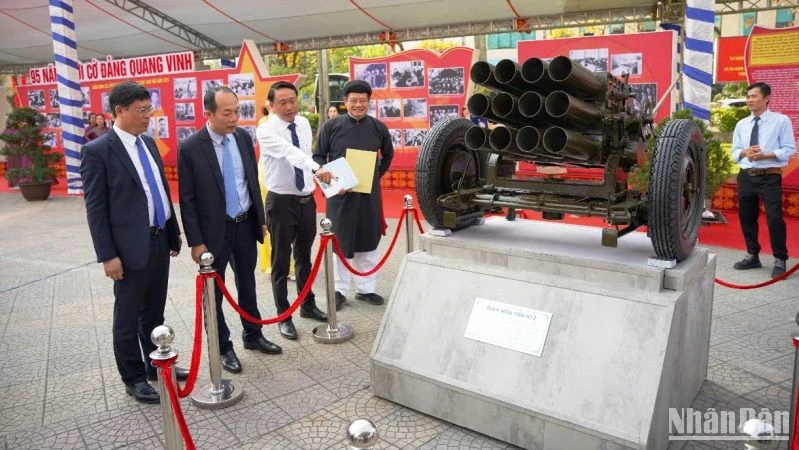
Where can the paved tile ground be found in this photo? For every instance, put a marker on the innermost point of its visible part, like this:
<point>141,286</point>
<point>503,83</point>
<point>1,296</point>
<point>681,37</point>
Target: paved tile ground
<point>59,387</point>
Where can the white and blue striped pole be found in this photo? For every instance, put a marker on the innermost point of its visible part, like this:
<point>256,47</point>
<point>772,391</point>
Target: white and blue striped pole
<point>698,59</point>
<point>65,53</point>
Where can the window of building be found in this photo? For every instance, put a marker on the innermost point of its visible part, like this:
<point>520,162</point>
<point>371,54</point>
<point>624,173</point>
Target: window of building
<point>646,26</point>
<point>507,40</point>
<point>785,18</point>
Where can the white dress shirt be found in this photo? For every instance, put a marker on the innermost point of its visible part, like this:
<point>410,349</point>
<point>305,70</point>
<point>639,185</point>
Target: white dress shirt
<point>280,156</point>
<point>238,165</point>
<point>775,134</point>
<point>129,141</point>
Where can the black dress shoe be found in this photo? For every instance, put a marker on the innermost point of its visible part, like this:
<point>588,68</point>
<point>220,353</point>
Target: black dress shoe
<point>315,314</point>
<point>287,330</point>
<point>372,298</point>
<point>180,373</point>
<point>230,362</point>
<point>340,300</point>
<point>750,261</point>
<point>143,392</point>
<point>263,346</point>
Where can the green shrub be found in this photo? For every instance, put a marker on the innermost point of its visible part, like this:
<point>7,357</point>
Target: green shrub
<point>23,138</point>
<point>725,118</point>
<point>313,118</point>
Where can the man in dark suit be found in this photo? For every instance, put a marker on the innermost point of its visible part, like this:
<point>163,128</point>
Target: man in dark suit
<point>223,212</point>
<point>134,230</point>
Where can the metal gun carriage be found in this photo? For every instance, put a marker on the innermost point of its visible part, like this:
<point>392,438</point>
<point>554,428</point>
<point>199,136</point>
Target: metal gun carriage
<point>559,114</point>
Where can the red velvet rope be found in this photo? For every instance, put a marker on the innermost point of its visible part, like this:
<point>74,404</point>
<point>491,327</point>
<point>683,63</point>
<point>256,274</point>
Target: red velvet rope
<point>344,261</point>
<point>795,437</point>
<point>287,313</point>
<point>166,375</point>
<point>758,285</point>
<point>197,349</point>
<point>418,222</point>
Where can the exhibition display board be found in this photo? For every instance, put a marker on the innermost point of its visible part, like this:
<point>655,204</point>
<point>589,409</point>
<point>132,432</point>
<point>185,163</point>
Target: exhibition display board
<point>176,87</point>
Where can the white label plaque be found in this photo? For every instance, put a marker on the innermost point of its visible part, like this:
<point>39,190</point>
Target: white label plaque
<point>509,326</point>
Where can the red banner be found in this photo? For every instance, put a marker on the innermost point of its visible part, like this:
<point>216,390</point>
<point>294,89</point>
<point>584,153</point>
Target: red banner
<point>649,58</point>
<point>176,94</point>
<point>730,60</point>
<point>411,92</point>
<point>772,56</point>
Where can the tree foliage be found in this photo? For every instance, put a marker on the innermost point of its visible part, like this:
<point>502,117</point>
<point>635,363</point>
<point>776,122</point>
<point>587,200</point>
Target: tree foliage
<point>23,138</point>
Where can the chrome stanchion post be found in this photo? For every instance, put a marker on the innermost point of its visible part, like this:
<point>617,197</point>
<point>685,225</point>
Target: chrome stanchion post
<point>408,200</point>
<point>163,336</point>
<point>759,435</point>
<point>333,332</point>
<point>792,416</point>
<point>219,393</point>
<point>362,434</point>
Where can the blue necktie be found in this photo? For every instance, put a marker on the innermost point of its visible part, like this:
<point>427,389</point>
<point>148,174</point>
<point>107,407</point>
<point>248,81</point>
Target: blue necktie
<point>753,138</point>
<point>232,205</point>
<point>158,204</point>
<point>299,177</point>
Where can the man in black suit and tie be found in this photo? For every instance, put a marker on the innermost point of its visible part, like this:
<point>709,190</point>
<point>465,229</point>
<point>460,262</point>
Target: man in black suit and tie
<point>223,212</point>
<point>134,230</point>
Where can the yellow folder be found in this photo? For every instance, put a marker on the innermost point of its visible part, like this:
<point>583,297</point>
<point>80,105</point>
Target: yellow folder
<point>362,163</point>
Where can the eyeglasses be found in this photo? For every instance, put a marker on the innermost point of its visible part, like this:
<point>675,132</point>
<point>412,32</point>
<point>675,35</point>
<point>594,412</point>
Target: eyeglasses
<point>357,101</point>
<point>143,109</point>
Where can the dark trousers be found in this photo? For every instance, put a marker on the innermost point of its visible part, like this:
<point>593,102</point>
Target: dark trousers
<point>292,223</point>
<point>240,250</point>
<point>139,299</point>
<point>750,190</point>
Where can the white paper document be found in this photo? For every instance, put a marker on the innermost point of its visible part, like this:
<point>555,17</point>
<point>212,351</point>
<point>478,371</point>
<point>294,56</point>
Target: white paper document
<point>343,178</point>
<point>513,327</point>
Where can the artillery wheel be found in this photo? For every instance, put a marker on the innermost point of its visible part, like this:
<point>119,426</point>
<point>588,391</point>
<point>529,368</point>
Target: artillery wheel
<point>443,164</point>
<point>676,189</point>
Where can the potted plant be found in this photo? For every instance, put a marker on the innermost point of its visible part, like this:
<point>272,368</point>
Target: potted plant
<point>720,165</point>
<point>24,143</point>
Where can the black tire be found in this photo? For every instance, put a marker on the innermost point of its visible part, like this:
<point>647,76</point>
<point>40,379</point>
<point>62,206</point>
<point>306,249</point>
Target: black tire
<point>677,189</point>
<point>442,161</point>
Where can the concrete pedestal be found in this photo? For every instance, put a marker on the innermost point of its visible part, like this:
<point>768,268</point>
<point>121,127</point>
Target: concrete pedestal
<point>625,343</point>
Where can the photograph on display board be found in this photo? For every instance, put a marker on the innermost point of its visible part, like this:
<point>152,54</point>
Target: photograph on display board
<point>631,63</point>
<point>184,132</point>
<point>208,84</point>
<point>594,59</point>
<point>162,127</point>
<point>407,74</point>
<point>250,129</point>
<point>184,88</point>
<point>372,108</point>
<point>50,139</point>
<point>441,112</point>
<point>414,108</point>
<point>184,112</point>
<point>247,109</point>
<point>645,91</point>
<point>87,118</point>
<point>104,102</point>
<point>54,99</point>
<point>446,81</point>
<point>242,84</point>
<point>36,99</point>
<point>87,98</point>
<point>396,137</point>
<point>373,73</point>
<point>155,97</point>
<point>414,137</point>
<point>389,108</point>
<point>53,120</point>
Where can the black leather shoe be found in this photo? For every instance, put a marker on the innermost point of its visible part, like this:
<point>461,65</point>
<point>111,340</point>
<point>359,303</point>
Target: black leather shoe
<point>372,298</point>
<point>750,261</point>
<point>779,268</point>
<point>230,362</point>
<point>263,346</point>
<point>143,392</point>
<point>340,300</point>
<point>287,330</point>
<point>180,373</point>
<point>315,314</point>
